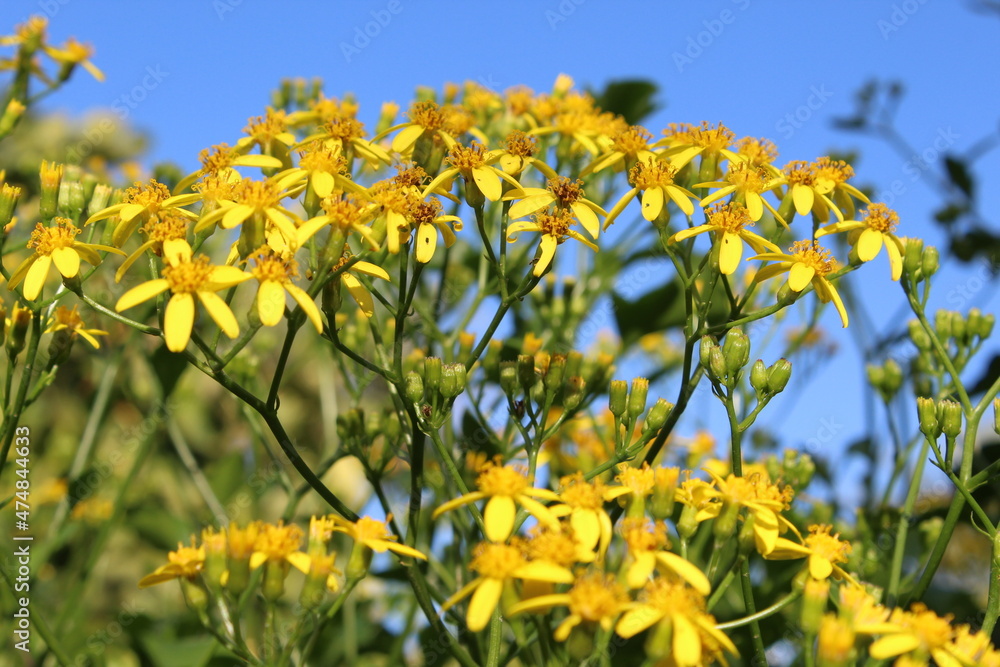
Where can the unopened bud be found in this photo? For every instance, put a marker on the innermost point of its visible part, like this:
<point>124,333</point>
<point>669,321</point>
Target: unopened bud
<point>11,115</point>
<point>950,416</point>
<point>72,199</point>
<point>814,599</point>
<point>526,371</point>
<point>8,200</point>
<point>657,415</point>
<point>929,262</point>
<point>413,387</point>
<point>50,176</point>
<point>20,319</point>
<point>453,379</point>
<point>705,350</point>
<point>508,377</point>
<point>758,378</point>
<point>432,374</point>
<point>553,379</point>
<point>637,397</point>
<point>717,369</point>
<point>919,336</point>
<point>778,375</point>
<point>573,394</point>
<point>942,324</point>
<point>927,414</point>
<point>985,327</point>
<point>959,328</point>
<point>893,378</point>
<point>618,397</point>
<point>465,342</point>
<point>913,255</point>
<point>736,349</point>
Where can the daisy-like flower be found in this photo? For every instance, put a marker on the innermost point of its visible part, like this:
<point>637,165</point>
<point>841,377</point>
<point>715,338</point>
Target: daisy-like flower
<point>759,153</point>
<point>167,225</point>
<point>685,141</point>
<point>728,222</point>
<point>67,319</point>
<point>186,563</point>
<point>583,503</point>
<point>347,135</point>
<point>391,209</point>
<point>374,534</point>
<point>635,485</point>
<point>807,263</point>
<point>517,153</point>
<point>868,235</point>
<point>276,548</point>
<point>835,641</point>
<point>475,164</point>
<point>628,147</point>
<point>187,278</point>
<point>807,192</point>
<point>920,634</point>
<point>655,180</point>
<point>496,567</point>
<point>763,500</point>
<point>258,201</point>
<point>746,183</point>
<point>428,221</point>
<point>647,543</point>
<point>221,160</point>
<point>506,487</point>
<point>555,229</point>
<point>595,599</point>
<point>139,205</point>
<point>274,271</point>
<point>355,288</point>
<point>690,637</point>
<point>824,551</point>
<point>55,245</point>
<point>270,133</point>
<point>426,120</point>
<point>71,54</point>
<point>322,167</point>
<point>831,179</point>
<point>564,194</point>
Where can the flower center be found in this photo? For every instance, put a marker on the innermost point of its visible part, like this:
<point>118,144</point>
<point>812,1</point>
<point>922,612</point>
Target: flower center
<point>425,212</point>
<point>832,172</point>
<point>241,541</point>
<point>639,480</point>
<point>520,144</point>
<point>260,195</point>
<point>427,115</point>
<point>800,172</point>
<point>272,266</point>
<point>265,129</point>
<point>213,188</point>
<point>642,535</point>
<point>166,226</point>
<point>567,192</point>
<point>812,254</point>
<point>747,177</point>
<point>704,135</point>
<point>343,212</point>
<point>632,140</point>
<point>822,543</point>
<point>189,558</point>
<point>68,317</point>
<point>757,151</point>
<point>497,561</point>
<point>45,240</point>
<point>188,277</point>
<point>673,597</point>
<point>594,597</point>
<point>652,174</point>
<point>579,494</point>
<point>410,176</point>
<point>467,158</point>
<point>345,128</point>
<point>457,120</point>
<point>495,480</point>
<point>731,217</point>
<point>319,157</point>
<point>217,158</point>
<point>149,196</point>
<point>278,541</point>
<point>559,548</point>
<point>881,218</point>
<point>368,529</point>
<point>555,224</point>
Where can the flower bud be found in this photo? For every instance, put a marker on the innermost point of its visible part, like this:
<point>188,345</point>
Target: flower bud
<point>508,377</point>
<point>927,414</point>
<point>50,176</point>
<point>526,371</point>
<point>574,392</point>
<point>11,115</point>
<point>918,335</point>
<point>453,379</point>
<point>950,417</point>
<point>959,328</point>
<point>9,195</point>
<point>553,378</point>
<point>491,360</point>
<point>20,319</point>
<point>985,327</point>
<point>657,416</point>
<point>717,369</point>
<point>72,199</point>
<point>912,256</point>
<point>942,324</point>
<point>194,594</point>
<point>778,375</point>
<point>273,586</point>
<point>432,374</point>
<point>736,349</point>
<point>705,350</point>
<point>876,376</point>
<point>637,397</point>
<point>816,593</point>
<point>413,387</point>
<point>758,378</point>
<point>892,378</point>
<point>835,645</point>
<point>618,398</point>
<point>574,363</point>
<point>687,525</point>
<point>929,262</point>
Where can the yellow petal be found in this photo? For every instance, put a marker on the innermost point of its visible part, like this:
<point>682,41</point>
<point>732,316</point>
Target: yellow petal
<point>755,206</point>
<point>404,550</point>
<point>548,247</point>
<point>370,269</point>
<point>235,215</point>
<point>802,197</point>
<point>270,302</point>
<point>67,261</point>
<point>300,561</point>
<point>586,527</point>
<point>687,643</point>
<point>359,293</point>
<point>458,502</point>
<point>426,242</point>
<point>895,256</point>
<point>307,305</point>
<point>499,518</point>
<point>819,567</point>
<point>322,182</point>
<point>643,566</point>
<point>799,276</point>
<point>141,293</point>
<point>869,243</point>
<point>541,570</point>
<point>178,321</point>
<point>686,570</point>
<point>681,197</point>
<point>638,619</point>
<point>403,141</point>
<point>652,203</point>
<point>219,311</point>
<point>588,219</point>
<point>488,182</point>
<point>893,645</point>
<point>730,253</point>
<point>176,251</point>
<point>530,204</point>
<point>35,277</point>
<point>482,604</point>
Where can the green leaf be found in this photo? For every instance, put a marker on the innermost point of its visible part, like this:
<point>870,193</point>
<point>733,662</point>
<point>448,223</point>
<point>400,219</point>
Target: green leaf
<point>173,652</point>
<point>631,98</point>
<point>168,367</point>
<point>959,174</point>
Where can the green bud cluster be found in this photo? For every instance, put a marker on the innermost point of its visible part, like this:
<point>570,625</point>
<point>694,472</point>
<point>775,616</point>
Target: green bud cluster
<point>920,262</point>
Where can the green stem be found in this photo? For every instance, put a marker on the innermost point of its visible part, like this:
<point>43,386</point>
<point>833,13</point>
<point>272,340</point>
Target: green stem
<point>13,412</point>
<point>496,639</point>
<point>905,517</point>
<point>39,623</point>
<point>762,614</point>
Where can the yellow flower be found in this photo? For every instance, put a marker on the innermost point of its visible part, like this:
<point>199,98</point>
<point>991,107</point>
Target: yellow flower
<point>807,263</point>
<point>869,234</point>
<point>426,120</point>
<point>823,550</point>
<point>274,272</point>
<point>167,225</point>
<point>764,501</point>
<point>357,290</point>
<point>555,229</point>
<point>71,54</point>
<point>594,600</point>
<point>270,132</point>
<point>475,165</point>
<point>727,221</point>
<point>186,278</point>
<point>68,319</point>
<point>256,200</point>
<point>323,167</point>
<point>220,161</point>
<point>835,643</point>
<point>655,179</point>
<point>55,245</point>
<point>566,195</point>
<point>807,192</point>
<point>517,153</point>
<point>628,147</point>
<point>497,565</point>
<point>427,218</point>
<point>506,487</point>
<point>346,134</point>
<point>185,563</point>
<point>647,542</point>
<point>583,502</point>
<point>374,535</point>
<point>685,141</point>
<point>747,183</point>
<point>690,637</point>
<point>920,634</point>
<point>139,205</point>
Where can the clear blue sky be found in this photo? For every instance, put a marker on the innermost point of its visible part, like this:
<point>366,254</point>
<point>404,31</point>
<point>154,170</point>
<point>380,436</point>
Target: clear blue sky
<point>774,69</point>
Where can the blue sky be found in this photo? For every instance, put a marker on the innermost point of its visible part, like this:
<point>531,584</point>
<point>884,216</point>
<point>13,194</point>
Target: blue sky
<point>193,72</point>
